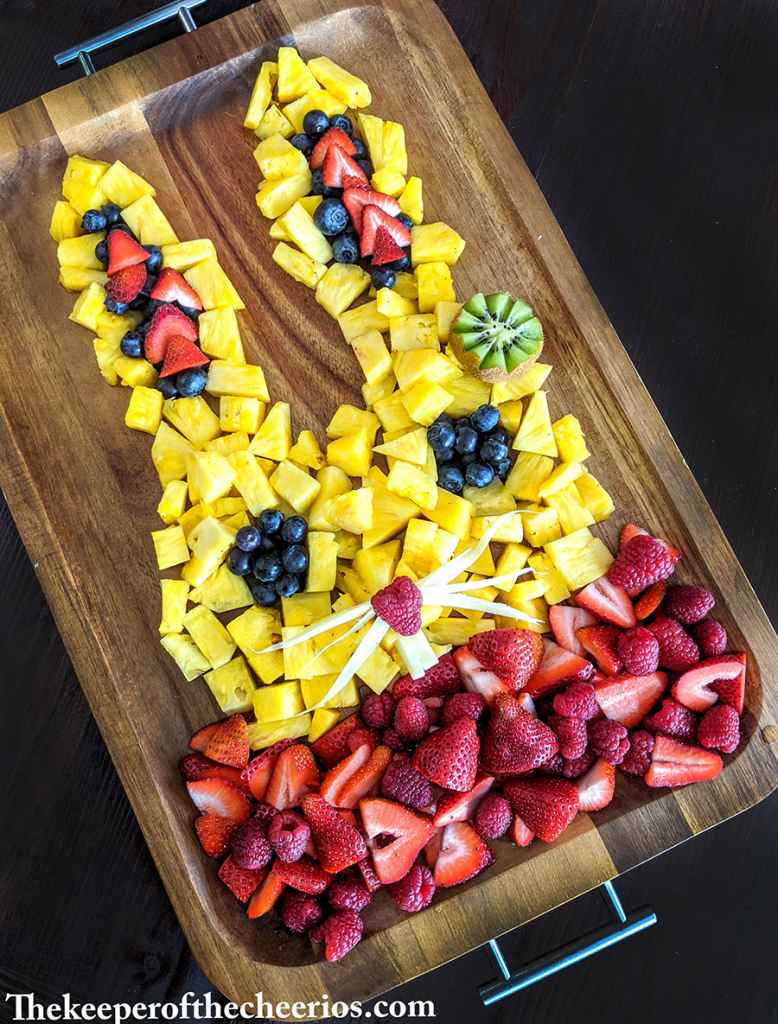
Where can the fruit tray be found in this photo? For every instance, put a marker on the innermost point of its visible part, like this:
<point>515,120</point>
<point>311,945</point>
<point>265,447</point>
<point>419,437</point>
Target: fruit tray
<point>78,482</point>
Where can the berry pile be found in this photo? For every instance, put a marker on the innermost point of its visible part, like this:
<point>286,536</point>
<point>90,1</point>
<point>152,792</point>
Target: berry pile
<point>470,450</point>
<point>272,556</point>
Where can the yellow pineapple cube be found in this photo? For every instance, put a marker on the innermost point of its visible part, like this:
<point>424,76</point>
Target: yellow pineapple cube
<point>65,221</point>
<point>580,557</point>
<point>232,686</point>
<point>252,484</point>
<point>264,734</point>
<point>76,279</point>
<point>135,372</point>
<point>512,560</point>
<point>237,413</point>
<point>315,99</point>
<point>170,547</point>
<point>332,481</point>
<point>425,401</point>
<point>294,485</point>
<point>446,311</point>
<point>360,320</point>
<point>261,94</point>
<point>228,506</point>
<point>570,439</point>
<point>435,285</point>
<point>418,330</point>
<point>299,266</point>
<point>377,565</point>
<point>372,393</point>
<point>522,386</point>
<point>408,481</point>
<point>229,443</point>
<point>389,181</point>
<point>371,128</point>
<point>391,304</point>
<point>278,158</point>
<point>535,434</point>
<point>80,251</point>
<point>274,437</point>
<point>303,609</point>
<point>322,721</point>
<point>174,598</point>
<point>209,540</point>
<point>373,356</point>
<point>299,226</point>
<point>183,650</point>
<point>594,496</point>
<point>393,152</point>
<point>510,415</point>
<point>340,286</point>
<point>433,243</point>
<point>123,186</point>
<point>210,475</point>
<point>88,306</point>
<point>352,511</point>
<point>572,513</point>
<point>452,512</point>
<point>193,417</point>
<point>485,594</point>
<point>313,690</point>
<point>341,83</point>
<point>350,582</point>
<point>274,122</point>
<point>348,544</point>
<point>322,561</point>
<point>527,475</point>
<point>242,381</point>
<point>392,413</point>
<point>277,702</point>
<point>213,286</point>
<point>419,547</point>
<point>80,182</point>
<point>173,501</point>
<point>114,327</point>
<point>144,410</point>
<point>254,630</point>
<point>541,527</point>
<point>181,256</point>
<point>509,531</point>
<point>294,79</point>
<point>378,671</point>
<point>533,606</point>
<point>391,513</point>
<point>169,453</point>
<point>351,452</point>
<point>148,222</point>
<point>410,446</point>
<point>424,364</point>
<point>411,200</point>
<point>491,500</point>
<point>555,587</point>
<point>456,631</point>
<point>560,478</point>
<point>467,393</point>
<point>212,639</point>
<point>220,335</point>
<point>274,197</point>
<point>306,451</point>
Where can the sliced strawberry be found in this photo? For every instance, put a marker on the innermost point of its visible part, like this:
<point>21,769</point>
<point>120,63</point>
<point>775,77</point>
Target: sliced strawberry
<point>181,354</point>
<point>199,740</point>
<point>356,199</point>
<point>596,787</point>
<point>449,756</point>
<point>628,531</point>
<point>267,895</point>
<point>439,681</point>
<point>610,603</point>
<point>338,843</point>
<point>333,745</point>
<point>733,691</point>
<point>520,834</point>
<point>369,877</point>
<point>241,882</point>
<point>123,252</point>
<point>677,764</point>
<point>332,137</point>
<point>476,678</point>
<point>349,181</point>
<point>295,774</point>
<point>304,875</point>
<point>366,779</point>
<point>600,641</point>
<point>196,766</point>
<point>564,620</point>
<point>558,666</point>
<point>217,796</point>
<point>166,322</point>
<point>214,833</point>
<point>516,741</point>
<point>512,654</point>
<point>229,742</point>
<point>334,781</point>
<point>463,854</point>
<point>395,835</point>
<point>526,702</point>
<point>171,286</point>
<point>432,848</point>
<point>385,249</point>
<point>373,217</point>
<point>126,285</point>
<point>256,775</point>
<point>649,600</point>
<point>338,166</point>
<point>545,805</point>
<point>695,689</point>
<point>628,699</point>
<point>461,806</point>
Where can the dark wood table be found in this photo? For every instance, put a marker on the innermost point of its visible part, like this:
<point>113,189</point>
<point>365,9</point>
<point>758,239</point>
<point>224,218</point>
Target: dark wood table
<point>652,128</point>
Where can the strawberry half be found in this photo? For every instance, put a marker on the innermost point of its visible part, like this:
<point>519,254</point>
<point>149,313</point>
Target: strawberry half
<point>332,137</point>
<point>338,842</point>
<point>217,796</point>
<point>628,699</point>
<point>449,757</point>
<point>123,252</point>
<point>649,600</point>
<point>439,681</point>
<point>385,249</point>
<point>564,620</point>
<point>476,678</point>
<point>695,688</point>
<point>229,742</point>
<point>596,787</point>
<point>166,322</point>
<point>126,285</point>
<point>463,855</point>
<point>366,779</point>
<point>304,874</point>
<point>240,881</point>
<point>196,766</point>
<point>516,741</point>
<point>461,806</point>
<point>520,834</point>
<point>678,764</point>
<point>295,774</point>
<point>256,775</point>
<point>369,877</point>
<point>173,287</point>
<point>558,666</point>
<point>181,354</point>
<point>356,199</point>
<point>339,166</point>
<point>512,654</point>
<point>545,805</point>
<point>334,782</point>
<point>214,833</point>
<point>373,218</point>
<point>333,745</point>
<point>267,895</point>
<point>395,835</point>
<point>600,641</point>
<point>609,602</point>
<point>199,740</point>
<point>733,691</point>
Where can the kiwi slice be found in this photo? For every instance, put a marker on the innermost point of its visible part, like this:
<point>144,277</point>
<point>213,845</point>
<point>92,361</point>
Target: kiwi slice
<point>497,334</point>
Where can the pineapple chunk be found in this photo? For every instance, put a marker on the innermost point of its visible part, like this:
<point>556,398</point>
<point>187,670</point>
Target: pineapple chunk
<point>274,122</point>
<point>405,285</point>
<point>83,171</point>
<point>144,410</point>
<point>170,547</point>
<point>183,650</point>
<point>274,437</point>
<point>435,285</point>
<point>446,312</point>
<point>314,689</point>
<point>123,186</point>
<point>350,582</point>
<point>80,251</point>
<point>373,356</point>
<point>348,418</point>
<point>303,609</point>
<point>351,452</point>
<point>491,500</point>
<point>294,78</point>
<point>410,446</point>
<point>534,606</point>
<point>232,686</point>
<point>174,598</point>
<point>452,512</point>
<point>392,413</point>
<point>75,279</point>
<point>264,734</point>
<point>411,200</point>
<point>555,587</point>
<point>277,702</point>
<point>278,158</point>
<point>408,481</point>
<point>389,181</point>
<point>372,393</point>
<point>572,514</point>
<point>393,152</point>
<point>306,451</point>
<point>169,453</point>
<point>275,197</point>
<point>433,243</point>
<point>425,401</point>
<point>88,306</point>
<point>391,304</point>
<point>561,477</point>
<point>210,475</point>
<point>523,385</point>
<point>391,513</point>
<point>510,530</point>
<point>377,565</point>
<point>181,256</point>
<point>253,630</point>
<point>484,564</point>
<point>580,557</point>
<point>252,484</point>
<point>261,94</point>
<point>340,285</point>
<point>594,496</point>
<point>322,721</point>
<point>237,413</point>
<point>212,285</point>
<point>114,327</point>
<point>135,372</point>
<point>299,266</point>
<point>510,416</point>
<point>295,486</point>
<point>418,330</point>
<point>149,223</point>
<point>541,527</point>
<point>535,434</point>
<point>512,560</point>
<point>212,639</point>
<point>65,221</point>
<point>322,561</point>
<point>229,443</point>
<point>467,394</point>
<point>333,481</point>
<point>173,502</point>
<point>341,83</point>
<point>352,511</point>
<point>570,439</point>
<point>360,320</point>
<point>485,594</point>
<point>371,128</point>
<point>424,364</point>
<point>299,226</point>
<point>527,475</point>
<point>419,547</point>
<point>240,381</point>
<point>316,99</point>
<point>456,631</point>
<point>193,417</point>
<point>348,544</point>
<point>210,540</point>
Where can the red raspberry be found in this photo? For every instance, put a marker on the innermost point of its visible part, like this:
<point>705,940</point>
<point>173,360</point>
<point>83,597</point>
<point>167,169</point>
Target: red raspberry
<point>677,650</point>
<point>638,757</point>
<point>463,705</point>
<point>579,766</point>
<point>493,817</point>
<point>403,783</point>
<point>577,701</point>
<point>392,739</point>
<point>288,834</point>
<point>711,636</point>
<point>642,561</point>
<point>339,932</point>
<point>639,650</point>
<point>414,891</point>
<point>250,848</point>
<point>377,710</point>
<point>688,604</point>
<point>411,719</point>
<point>719,729</point>
<point>264,812</point>
<point>399,605</point>
<point>299,912</point>
<point>348,892</point>
<point>673,719</point>
<point>357,737</point>
<point>571,733</point>
<point>608,740</point>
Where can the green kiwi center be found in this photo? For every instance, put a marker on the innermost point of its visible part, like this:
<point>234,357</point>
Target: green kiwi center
<point>500,331</point>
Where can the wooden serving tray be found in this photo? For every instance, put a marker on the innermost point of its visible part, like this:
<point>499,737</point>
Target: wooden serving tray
<point>82,488</point>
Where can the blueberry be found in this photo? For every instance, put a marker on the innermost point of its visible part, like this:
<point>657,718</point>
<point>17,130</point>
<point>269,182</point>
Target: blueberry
<point>499,434</point>
<point>342,122</point>
<point>132,345</point>
<point>112,213</point>
<point>239,562</point>
<point>367,168</point>
<point>167,387</point>
<point>345,248</point>
<point>116,307</point>
<point>287,586</point>
<point>247,538</point>
<point>271,521</point>
<point>191,383</point>
<point>263,594</point>
<point>445,418</point>
<point>465,460</point>
<point>315,122</point>
<point>441,436</point>
<point>331,217</point>
<point>405,220</point>
<point>485,418</point>
<point>380,277</point>
<point>478,474</point>
<point>268,568</point>
<point>450,479</point>
<point>444,455</point>
<point>466,440</point>
<point>295,558</point>
<point>401,264</point>
<point>302,142</point>
<point>294,530</point>
<point>93,220</point>
<point>267,543</point>
<point>318,188</point>
<point>101,252</point>
<point>502,469</point>
<point>154,262</point>
<point>493,451</point>
<point>360,149</point>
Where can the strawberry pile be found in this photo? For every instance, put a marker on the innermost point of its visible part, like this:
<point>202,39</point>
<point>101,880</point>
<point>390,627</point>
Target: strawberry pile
<point>509,736</point>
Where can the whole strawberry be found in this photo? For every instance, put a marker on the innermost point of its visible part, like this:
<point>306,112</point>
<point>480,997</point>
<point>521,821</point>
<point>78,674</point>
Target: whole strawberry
<point>440,680</point>
<point>403,783</point>
<point>411,719</point>
<point>348,892</point>
<point>677,650</point>
<point>449,757</point>
<point>711,637</point>
<point>415,891</point>
<point>463,705</point>
<point>639,651</point>
<point>572,736</point>
<point>377,710</point>
<point>512,654</point>
<point>299,912</point>
<point>719,729</point>
<point>673,719</point>
<point>577,701</point>
<point>642,561</point>
<point>339,932</point>
<point>493,817</point>
<point>608,740</point>
<point>688,604</point>
<point>339,844</point>
<point>250,848</point>
<point>399,605</point>
<point>288,834</point>
<point>638,758</point>
<point>545,805</point>
<point>515,741</point>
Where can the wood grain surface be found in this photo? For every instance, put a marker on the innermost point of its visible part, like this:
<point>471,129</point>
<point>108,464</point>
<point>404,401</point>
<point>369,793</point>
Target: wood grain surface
<point>104,495</point>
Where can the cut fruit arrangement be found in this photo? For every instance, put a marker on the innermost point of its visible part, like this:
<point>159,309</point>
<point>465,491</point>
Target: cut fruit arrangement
<point>352,607</point>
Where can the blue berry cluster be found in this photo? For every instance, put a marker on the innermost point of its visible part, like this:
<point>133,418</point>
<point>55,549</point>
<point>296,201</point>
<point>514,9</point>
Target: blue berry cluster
<point>472,450</point>
<point>272,556</point>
